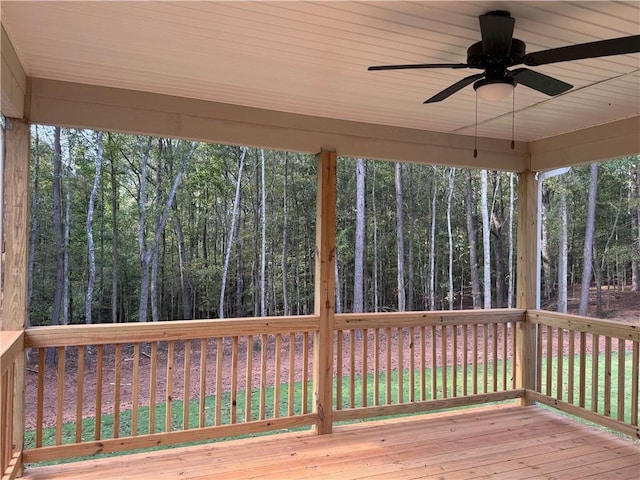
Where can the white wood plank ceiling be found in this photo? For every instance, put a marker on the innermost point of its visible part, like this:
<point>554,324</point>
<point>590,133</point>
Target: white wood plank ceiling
<point>311,57</point>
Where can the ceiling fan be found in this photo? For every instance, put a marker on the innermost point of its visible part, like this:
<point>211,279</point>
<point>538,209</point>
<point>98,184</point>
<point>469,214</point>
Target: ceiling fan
<point>498,51</point>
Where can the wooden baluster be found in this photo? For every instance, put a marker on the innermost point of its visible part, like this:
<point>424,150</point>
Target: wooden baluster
<point>352,364</point>
<point>423,365</point>
<point>505,353</point>
<point>186,394</point>
<point>40,404</point>
<point>135,389</point>
<point>248,384</point>
<point>203,383</point>
<point>305,372</point>
<point>514,349</point>
<point>635,367</point>
<point>234,380</point>
<point>338,370</point>
<point>560,368</point>
<point>549,347</point>
<point>434,364</point>
<point>365,367</point>
<point>412,375</point>
<point>571,367</point>
<point>474,360</point>
<point>168,418</point>
<point>595,353</point>
<point>607,377</point>
<point>465,361</point>
<point>276,380</point>
<point>219,364</point>
<point>263,376</point>
<point>400,354</point>
<point>583,369</point>
<point>454,361</point>
<point>153,370</point>
<point>292,371</point>
<point>388,400</point>
<point>494,356</point>
<point>60,395</point>
<point>116,391</point>
<point>443,360</point>
<point>621,378</point>
<point>79,393</point>
<point>485,358</point>
<point>376,366</point>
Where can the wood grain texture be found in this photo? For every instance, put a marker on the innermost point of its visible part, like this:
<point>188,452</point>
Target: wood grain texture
<point>503,441</point>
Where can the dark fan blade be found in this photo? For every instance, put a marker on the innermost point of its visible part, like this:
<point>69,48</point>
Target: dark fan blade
<point>459,85</point>
<point>497,32</point>
<point>602,48</point>
<point>418,66</point>
<point>540,82</point>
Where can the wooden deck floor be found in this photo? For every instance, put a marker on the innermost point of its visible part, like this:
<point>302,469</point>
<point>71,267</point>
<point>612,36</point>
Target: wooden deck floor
<point>503,442</point>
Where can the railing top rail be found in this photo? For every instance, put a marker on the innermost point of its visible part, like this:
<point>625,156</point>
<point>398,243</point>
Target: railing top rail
<point>11,345</point>
<point>345,321</point>
<point>625,331</point>
<point>68,335</point>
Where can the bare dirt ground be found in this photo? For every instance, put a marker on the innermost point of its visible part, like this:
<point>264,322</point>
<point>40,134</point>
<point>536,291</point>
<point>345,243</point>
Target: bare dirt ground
<point>618,306</point>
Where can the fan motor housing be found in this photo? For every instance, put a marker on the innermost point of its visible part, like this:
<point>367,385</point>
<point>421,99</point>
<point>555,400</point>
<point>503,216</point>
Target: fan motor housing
<point>476,58</point>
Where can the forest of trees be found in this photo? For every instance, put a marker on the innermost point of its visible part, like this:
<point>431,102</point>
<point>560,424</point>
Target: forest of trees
<point>127,228</point>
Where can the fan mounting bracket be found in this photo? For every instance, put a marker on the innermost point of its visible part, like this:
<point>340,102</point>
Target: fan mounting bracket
<point>476,58</point>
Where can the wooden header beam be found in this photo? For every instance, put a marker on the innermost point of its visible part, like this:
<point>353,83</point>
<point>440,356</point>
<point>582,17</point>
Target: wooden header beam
<point>102,108</point>
<point>13,80</point>
<point>594,144</point>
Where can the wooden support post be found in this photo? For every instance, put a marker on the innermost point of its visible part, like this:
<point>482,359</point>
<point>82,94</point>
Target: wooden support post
<point>526,280</point>
<point>15,220</point>
<point>324,300</point>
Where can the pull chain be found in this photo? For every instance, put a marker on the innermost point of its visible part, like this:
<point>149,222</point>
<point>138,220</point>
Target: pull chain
<point>475,135</point>
<point>513,120</point>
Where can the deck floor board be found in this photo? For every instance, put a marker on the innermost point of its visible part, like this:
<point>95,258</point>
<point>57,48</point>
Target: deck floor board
<point>496,442</point>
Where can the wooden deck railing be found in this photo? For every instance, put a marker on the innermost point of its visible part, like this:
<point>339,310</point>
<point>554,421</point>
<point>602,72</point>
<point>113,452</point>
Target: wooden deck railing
<point>391,363</point>
<point>11,354</point>
<point>588,368</point>
<point>167,383</point>
<point>173,382</point>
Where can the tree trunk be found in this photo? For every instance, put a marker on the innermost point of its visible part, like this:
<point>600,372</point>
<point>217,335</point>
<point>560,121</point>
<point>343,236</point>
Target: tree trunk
<point>58,226</point>
<point>34,221</point>
<point>634,197</point>
<point>375,239</point>
<point>432,243</point>
<point>400,237</point>
<point>114,241</point>
<point>185,283</point>
<point>285,224</point>
<point>510,292</point>
<point>91,254</point>
<point>263,235</point>
<point>587,255</point>
<point>234,220</point>
<point>410,259</point>
<point>472,233</point>
<point>544,250</point>
<point>486,246</point>
<point>563,249</point>
<point>452,174</point>
<point>358,273</point>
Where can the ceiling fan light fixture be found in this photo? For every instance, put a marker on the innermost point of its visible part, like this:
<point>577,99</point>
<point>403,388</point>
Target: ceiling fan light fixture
<point>494,90</point>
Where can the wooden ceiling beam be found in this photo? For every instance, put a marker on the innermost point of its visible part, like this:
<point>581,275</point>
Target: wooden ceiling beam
<point>112,109</point>
<point>13,80</point>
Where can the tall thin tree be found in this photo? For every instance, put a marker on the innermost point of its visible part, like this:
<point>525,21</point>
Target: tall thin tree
<point>400,237</point>
<point>358,273</point>
<point>232,228</point>
<point>486,246</point>
<point>91,255</point>
<point>587,254</point>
